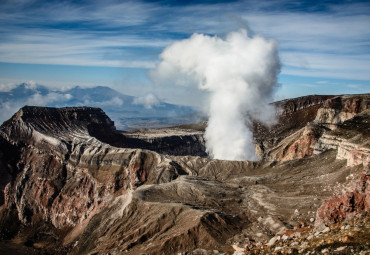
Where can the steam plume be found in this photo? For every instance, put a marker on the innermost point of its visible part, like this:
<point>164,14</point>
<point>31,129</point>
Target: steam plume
<point>240,73</point>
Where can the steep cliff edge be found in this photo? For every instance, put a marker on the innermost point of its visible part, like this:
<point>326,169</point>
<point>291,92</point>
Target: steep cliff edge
<point>306,125</point>
<point>292,115</point>
<point>351,139</point>
<point>55,171</point>
<point>179,140</point>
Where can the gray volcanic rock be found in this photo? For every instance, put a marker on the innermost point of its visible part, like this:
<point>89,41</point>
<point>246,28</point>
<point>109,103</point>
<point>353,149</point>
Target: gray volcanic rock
<point>172,140</point>
<point>71,183</point>
<point>63,175</point>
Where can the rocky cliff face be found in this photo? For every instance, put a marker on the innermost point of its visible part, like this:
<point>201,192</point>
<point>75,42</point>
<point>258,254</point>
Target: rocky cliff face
<point>338,109</point>
<point>71,183</point>
<point>332,122</point>
<point>350,138</point>
<point>280,141</point>
<point>172,141</point>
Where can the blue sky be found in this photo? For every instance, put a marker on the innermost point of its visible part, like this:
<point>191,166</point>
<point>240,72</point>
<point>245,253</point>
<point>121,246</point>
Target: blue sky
<point>324,45</point>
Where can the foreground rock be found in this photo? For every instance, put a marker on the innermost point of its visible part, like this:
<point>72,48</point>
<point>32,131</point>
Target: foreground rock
<point>342,226</point>
<point>71,183</point>
<point>354,203</point>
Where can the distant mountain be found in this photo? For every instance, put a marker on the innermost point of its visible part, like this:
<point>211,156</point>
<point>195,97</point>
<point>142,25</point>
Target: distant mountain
<point>128,112</point>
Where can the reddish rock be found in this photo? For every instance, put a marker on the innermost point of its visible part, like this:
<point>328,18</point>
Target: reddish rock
<point>302,147</point>
<point>349,205</point>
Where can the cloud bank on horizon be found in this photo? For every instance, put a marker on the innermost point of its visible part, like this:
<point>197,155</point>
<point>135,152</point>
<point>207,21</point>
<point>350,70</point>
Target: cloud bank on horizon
<point>240,74</point>
<point>319,41</point>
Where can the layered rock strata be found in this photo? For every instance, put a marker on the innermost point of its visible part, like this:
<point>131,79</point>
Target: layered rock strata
<point>332,122</point>
<point>71,183</point>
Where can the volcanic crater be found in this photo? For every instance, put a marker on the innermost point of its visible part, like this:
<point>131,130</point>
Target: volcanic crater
<point>72,184</point>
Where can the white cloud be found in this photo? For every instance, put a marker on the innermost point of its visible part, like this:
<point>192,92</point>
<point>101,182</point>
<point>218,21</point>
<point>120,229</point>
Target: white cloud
<point>30,85</point>
<point>115,101</point>
<point>108,13</point>
<point>53,47</point>
<point>331,43</point>
<point>7,87</point>
<point>149,100</point>
<point>52,97</point>
<point>10,107</point>
<point>354,86</point>
<point>326,65</point>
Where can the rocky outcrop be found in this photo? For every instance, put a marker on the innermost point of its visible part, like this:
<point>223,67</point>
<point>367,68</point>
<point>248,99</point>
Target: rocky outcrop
<point>300,144</point>
<point>172,141</point>
<point>351,237</point>
<point>341,226</point>
<point>351,204</point>
<point>289,106</point>
<point>351,139</point>
<point>354,154</point>
<point>338,109</point>
<point>293,115</point>
<point>61,174</point>
<point>306,126</point>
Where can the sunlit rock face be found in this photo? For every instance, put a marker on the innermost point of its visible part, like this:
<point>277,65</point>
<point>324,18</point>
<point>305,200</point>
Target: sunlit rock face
<point>71,183</point>
<point>308,126</point>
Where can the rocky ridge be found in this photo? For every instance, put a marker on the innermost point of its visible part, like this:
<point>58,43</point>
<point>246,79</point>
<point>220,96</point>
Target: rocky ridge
<point>339,122</point>
<point>71,183</point>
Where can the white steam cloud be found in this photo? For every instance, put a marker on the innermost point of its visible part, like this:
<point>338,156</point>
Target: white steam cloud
<point>240,73</point>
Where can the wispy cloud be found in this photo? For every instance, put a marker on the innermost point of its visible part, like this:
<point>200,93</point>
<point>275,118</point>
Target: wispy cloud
<point>354,86</point>
<point>322,82</point>
<point>115,101</point>
<point>5,87</point>
<point>8,108</point>
<point>76,48</point>
<point>96,34</point>
<point>149,100</point>
<point>330,40</point>
<point>310,85</point>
